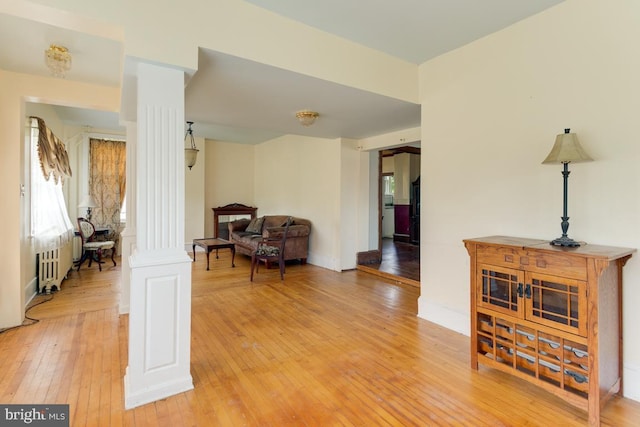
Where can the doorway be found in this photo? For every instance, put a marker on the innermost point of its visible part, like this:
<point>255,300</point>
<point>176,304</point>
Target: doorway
<point>398,253</point>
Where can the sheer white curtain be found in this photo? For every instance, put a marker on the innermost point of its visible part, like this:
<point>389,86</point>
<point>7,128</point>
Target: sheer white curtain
<point>50,223</point>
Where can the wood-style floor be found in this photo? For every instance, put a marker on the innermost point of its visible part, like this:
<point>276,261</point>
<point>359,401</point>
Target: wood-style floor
<point>320,348</point>
<point>400,262</point>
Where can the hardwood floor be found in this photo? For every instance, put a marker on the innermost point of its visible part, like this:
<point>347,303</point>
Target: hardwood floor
<point>400,262</point>
<point>320,348</point>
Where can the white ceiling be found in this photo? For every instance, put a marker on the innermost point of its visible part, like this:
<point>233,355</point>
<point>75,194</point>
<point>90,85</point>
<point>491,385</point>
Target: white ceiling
<point>414,30</point>
<point>235,99</point>
<point>262,100</point>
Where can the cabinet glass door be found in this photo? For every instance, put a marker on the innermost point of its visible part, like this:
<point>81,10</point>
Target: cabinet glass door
<point>557,302</point>
<point>499,289</point>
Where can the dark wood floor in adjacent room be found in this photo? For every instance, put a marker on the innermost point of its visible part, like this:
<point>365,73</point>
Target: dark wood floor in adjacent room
<point>320,348</point>
<point>400,262</point>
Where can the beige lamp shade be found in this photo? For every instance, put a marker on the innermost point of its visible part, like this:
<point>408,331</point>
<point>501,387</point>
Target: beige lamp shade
<point>87,202</point>
<point>190,156</point>
<point>191,152</point>
<point>567,149</point>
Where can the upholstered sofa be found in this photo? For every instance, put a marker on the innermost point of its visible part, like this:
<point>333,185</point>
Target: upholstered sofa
<point>247,233</point>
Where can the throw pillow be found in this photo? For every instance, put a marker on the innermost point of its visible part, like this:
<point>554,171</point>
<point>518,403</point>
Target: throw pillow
<point>255,226</point>
<point>251,225</point>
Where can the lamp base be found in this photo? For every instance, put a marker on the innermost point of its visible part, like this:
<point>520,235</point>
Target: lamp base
<point>565,241</point>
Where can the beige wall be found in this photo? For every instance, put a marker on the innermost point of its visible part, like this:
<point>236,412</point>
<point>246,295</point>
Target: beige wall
<point>393,139</point>
<point>354,205</point>
<point>388,165</point>
<point>300,176</point>
<point>229,177</point>
<point>490,114</point>
<point>13,177</point>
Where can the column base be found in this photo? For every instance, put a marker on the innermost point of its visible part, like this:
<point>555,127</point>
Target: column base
<point>159,327</point>
<point>135,398</point>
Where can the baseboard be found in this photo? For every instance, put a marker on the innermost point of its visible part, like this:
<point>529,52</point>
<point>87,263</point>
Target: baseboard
<point>443,316</point>
<point>30,291</point>
<point>154,393</point>
<point>324,262</point>
<point>388,276</point>
<point>123,307</point>
<point>631,384</point>
<point>188,248</point>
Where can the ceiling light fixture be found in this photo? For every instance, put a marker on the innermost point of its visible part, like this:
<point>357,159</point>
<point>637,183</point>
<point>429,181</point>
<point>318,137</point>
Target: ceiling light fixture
<point>190,153</point>
<point>306,117</point>
<point>58,59</point>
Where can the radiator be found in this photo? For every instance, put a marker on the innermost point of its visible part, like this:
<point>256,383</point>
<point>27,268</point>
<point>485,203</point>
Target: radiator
<point>53,266</point>
<point>77,248</point>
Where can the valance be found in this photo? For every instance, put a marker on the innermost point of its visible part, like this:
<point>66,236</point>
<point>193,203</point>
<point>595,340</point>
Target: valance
<point>52,152</point>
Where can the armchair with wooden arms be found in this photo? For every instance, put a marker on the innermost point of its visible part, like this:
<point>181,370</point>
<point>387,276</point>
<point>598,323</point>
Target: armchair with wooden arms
<point>270,251</point>
<point>92,248</point>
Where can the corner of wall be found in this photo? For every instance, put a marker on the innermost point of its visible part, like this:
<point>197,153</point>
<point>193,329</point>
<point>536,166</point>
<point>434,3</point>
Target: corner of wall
<point>631,375</point>
<point>30,291</point>
<point>443,316</point>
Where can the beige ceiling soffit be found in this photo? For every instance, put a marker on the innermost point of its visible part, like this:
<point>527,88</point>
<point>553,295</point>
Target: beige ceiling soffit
<point>64,19</point>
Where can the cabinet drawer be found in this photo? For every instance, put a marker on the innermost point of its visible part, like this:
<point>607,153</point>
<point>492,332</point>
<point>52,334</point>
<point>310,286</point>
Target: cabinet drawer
<point>535,261</point>
<point>500,255</point>
<point>555,264</point>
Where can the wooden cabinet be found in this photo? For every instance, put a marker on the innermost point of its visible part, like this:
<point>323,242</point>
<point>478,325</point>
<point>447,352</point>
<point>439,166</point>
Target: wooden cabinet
<point>550,315</point>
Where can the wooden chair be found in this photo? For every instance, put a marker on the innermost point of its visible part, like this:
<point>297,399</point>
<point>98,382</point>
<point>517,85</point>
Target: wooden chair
<point>92,248</point>
<point>270,251</point>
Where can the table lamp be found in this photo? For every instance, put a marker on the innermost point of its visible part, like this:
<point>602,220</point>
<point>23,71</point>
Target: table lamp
<point>566,150</point>
<point>88,202</point>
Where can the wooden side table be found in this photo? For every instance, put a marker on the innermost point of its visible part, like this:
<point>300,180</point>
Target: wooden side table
<point>210,244</point>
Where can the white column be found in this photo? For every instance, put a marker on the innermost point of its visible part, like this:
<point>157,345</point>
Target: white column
<point>128,235</point>
<point>160,310</point>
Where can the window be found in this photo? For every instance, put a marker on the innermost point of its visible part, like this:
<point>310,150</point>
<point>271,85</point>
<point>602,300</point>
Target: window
<point>388,188</point>
<point>50,223</point>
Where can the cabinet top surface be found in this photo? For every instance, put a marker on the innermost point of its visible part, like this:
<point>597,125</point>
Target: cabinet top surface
<point>586,250</point>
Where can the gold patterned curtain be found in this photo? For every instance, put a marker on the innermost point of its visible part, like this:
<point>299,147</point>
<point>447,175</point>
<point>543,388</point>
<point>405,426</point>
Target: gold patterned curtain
<point>52,152</point>
<point>51,226</point>
<point>107,182</point>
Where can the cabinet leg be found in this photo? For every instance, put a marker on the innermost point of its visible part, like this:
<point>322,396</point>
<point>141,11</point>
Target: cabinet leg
<point>474,356</point>
<point>594,411</point>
